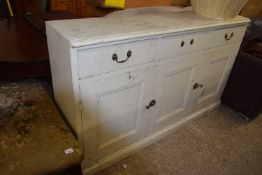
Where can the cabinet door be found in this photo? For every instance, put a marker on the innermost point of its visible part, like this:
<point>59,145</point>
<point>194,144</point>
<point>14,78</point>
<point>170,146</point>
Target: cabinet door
<point>173,91</point>
<point>114,113</point>
<point>212,73</point>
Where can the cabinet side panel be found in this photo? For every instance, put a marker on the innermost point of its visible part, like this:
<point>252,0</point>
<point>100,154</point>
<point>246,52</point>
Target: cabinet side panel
<point>59,53</point>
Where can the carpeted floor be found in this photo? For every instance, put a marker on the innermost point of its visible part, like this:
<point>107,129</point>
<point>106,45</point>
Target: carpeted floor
<point>219,143</point>
<point>33,134</point>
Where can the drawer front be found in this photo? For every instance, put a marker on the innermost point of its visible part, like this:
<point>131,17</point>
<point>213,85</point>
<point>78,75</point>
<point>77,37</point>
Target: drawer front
<point>172,46</point>
<point>226,36</point>
<point>96,61</point>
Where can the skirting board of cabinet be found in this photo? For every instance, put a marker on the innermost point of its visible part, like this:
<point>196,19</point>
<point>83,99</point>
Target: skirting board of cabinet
<point>147,141</point>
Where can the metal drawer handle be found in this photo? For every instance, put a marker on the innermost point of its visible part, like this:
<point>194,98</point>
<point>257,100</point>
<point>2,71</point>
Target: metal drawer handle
<point>115,57</point>
<point>229,38</point>
<point>151,104</point>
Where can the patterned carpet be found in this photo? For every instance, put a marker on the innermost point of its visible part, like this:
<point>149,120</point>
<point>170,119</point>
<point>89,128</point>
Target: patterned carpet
<point>33,134</point>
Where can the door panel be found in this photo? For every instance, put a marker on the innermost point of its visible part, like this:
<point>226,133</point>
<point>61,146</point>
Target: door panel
<point>212,73</point>
<point>173,91</point>
<point>122,113</point>
<point>114,111</point>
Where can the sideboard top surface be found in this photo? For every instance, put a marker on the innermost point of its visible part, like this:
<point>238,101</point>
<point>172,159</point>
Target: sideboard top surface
<point>90,31</point>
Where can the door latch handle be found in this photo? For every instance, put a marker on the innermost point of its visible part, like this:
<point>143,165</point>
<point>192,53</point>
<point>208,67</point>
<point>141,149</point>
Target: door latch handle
<point>198,86</point>
<point>151,104</point>
<point>229,37</point>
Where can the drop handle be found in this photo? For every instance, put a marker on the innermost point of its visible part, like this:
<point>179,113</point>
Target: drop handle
<point>229,37</point>
<point>198,86</point>
<point>115,57</point>
<point>151,104</point>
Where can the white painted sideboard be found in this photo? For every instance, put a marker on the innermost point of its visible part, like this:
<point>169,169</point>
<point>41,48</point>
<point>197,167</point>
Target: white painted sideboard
<point>125,82</point>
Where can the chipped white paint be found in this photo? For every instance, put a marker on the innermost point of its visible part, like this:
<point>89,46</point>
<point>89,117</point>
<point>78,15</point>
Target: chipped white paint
<point>178,59</point>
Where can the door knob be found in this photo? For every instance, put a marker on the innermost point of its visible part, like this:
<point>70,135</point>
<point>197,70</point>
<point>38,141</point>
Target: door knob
<point>198,86</point>
<point>192,42</point>
<point>151,104</point>
<point>182,43</point>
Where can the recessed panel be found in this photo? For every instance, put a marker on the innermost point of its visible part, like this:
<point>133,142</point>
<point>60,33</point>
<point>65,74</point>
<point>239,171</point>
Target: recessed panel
<point>118,114</point>
<point>214,77</point>
<point>174,92</point>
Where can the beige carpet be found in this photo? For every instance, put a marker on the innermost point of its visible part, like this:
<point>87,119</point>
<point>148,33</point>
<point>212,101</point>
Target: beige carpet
<point>219,143</point>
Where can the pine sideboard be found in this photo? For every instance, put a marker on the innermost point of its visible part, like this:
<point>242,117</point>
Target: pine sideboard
<point>125,81</point>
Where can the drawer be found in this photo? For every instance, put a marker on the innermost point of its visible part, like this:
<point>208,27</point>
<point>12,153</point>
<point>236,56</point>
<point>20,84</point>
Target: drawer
<point>172,46</point>
<point>226,36</point>
<point>95,61</point>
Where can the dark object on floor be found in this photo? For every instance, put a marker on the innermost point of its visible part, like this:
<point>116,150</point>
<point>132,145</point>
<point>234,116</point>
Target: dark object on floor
<point>38,20</point>
<point>23,49</point>
<point>243,91</point>
<point>76,170</point>
<point>34,138</point>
